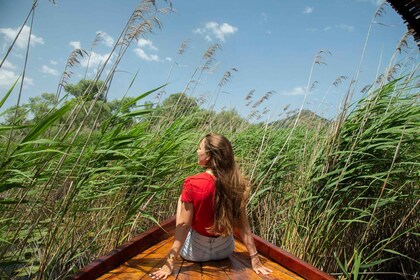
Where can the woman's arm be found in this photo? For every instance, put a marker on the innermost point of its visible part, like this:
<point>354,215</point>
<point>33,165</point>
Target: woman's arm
<point>184,216</point>
<point>245,233</point>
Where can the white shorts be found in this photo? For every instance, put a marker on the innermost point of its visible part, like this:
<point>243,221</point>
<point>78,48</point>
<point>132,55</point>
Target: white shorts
<point>200,248</point>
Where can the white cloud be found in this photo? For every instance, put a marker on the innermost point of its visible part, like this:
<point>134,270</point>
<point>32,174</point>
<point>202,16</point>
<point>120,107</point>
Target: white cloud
<point>28,82</point>
<point>9,35</point>
<point>143,55</point>
<point>141,43</point>
<point>348,28</point>
<point>75,44</point>
<point>296,91</point>
<point>168,59</point>
<point>308,10</point>
<point>312,29</point>
<point>48,70</point>
<point>220,31</point>
<point>106,39</point>
<point>53,62</point>
<point>208,38</point>
<point>8,65</point>
<point>199,30</point>
<point>8,77</point>
<point>95,60</point>
<point>264,17</point>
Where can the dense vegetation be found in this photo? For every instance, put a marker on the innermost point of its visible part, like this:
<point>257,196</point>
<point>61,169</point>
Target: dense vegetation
<point>81,175</point>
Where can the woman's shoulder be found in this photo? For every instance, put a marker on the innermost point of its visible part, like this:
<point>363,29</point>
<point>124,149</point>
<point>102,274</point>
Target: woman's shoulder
<point>199,177</point>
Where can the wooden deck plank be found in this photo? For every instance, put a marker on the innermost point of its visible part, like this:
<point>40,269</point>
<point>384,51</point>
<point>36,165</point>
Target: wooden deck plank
<point>158,265</point>
<point>279,272</point>
<point>141,264</point>
<point>189,270</point>
<point>147,252</point>
<point>290,261</point>
<point>128,250</point>
<point>237,270</point>
<point>237,266</point>
<point>229,268</point>
<point>215,269</point>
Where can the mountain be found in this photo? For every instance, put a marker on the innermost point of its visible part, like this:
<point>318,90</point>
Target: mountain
<point>307,118</point>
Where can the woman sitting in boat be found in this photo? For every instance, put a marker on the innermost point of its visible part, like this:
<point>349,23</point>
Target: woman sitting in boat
<point>211,206</point>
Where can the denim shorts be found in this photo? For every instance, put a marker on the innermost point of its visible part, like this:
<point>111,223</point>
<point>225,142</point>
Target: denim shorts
<point>200,248</point>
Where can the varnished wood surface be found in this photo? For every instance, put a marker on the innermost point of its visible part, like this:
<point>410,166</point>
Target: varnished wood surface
<point>126,251</point>
<point>147,252</point>
<point>237,266</point>
<point>288,260</point>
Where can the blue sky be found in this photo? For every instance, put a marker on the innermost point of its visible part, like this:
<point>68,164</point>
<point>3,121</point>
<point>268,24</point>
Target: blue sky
<point>271,44</point>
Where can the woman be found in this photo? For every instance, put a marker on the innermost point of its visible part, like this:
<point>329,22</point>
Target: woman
<point>211,206</point>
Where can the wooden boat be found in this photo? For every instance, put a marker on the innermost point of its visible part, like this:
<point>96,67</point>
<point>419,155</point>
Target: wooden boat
<point>147,252</point>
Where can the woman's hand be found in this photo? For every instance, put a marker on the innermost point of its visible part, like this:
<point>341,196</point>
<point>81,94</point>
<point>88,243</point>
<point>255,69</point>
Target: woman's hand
<point>258,267</point>
<point>164,271</point>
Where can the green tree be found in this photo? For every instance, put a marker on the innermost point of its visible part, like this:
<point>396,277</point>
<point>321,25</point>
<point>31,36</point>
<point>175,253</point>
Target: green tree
<point>16,115</point>
<point>88,89</point>
<point>179,104</point>
<point>116,105</point>
<point>229,120</point>
<point>41,105</point>
<point>17,118</point>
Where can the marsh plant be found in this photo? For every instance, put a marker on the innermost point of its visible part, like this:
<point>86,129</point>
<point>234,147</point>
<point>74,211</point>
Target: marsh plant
<point>85,174</point>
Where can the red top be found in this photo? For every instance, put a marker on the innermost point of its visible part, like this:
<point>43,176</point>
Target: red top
<point>199,190</point>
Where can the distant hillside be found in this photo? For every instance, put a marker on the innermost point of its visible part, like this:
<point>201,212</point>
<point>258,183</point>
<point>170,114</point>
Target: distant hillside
<point>307,118</point>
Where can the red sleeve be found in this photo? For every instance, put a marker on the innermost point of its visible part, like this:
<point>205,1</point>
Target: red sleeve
<point>186,194</point>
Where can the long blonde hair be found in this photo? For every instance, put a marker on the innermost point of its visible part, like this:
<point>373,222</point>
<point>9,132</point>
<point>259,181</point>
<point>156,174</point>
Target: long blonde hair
<point>232,188</point>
